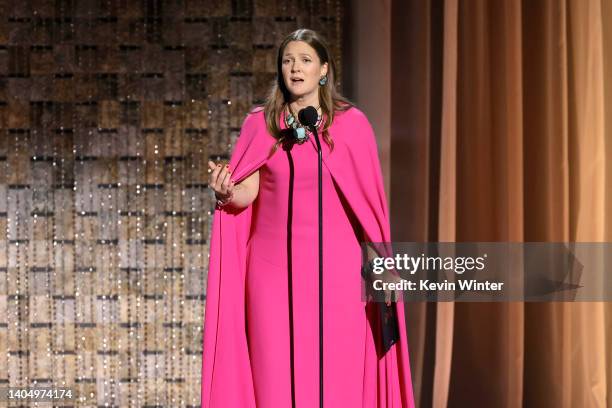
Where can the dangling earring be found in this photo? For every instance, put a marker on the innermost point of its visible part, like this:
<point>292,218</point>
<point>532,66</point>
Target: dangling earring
<point>323,80</point>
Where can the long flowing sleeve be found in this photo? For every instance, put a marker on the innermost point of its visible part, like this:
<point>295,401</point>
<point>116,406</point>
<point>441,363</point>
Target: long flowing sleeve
<point>355,167</point>
<point>226,370</point>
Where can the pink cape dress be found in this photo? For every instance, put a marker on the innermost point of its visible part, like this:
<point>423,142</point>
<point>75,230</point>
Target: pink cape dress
<point>246,350</point>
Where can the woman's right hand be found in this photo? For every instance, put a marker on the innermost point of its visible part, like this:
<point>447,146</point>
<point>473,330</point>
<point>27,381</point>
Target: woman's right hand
<point>220,181</point>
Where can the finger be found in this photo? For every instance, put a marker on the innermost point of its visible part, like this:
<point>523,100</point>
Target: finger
<point>226,182</point>
<point>221,177</point>
<point>224,175</point>
<point>215,167</point>
<point>230,188</point>
<point>211,171</point>
<point>215,176</point>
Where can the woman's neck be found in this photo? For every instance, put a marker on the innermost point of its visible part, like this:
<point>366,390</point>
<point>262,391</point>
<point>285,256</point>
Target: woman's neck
<point>303,102</point>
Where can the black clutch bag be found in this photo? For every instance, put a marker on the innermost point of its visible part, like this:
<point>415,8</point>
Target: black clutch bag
<point>382,318</point>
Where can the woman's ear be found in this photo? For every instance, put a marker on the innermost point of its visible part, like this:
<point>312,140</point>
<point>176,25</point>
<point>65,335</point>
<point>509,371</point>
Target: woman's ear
<point>324,69</point>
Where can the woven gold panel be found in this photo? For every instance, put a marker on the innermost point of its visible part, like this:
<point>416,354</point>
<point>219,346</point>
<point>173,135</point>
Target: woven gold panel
<point>109,111</point>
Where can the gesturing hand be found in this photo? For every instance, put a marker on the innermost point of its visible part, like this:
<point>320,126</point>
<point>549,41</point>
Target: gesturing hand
<point>220,181</point>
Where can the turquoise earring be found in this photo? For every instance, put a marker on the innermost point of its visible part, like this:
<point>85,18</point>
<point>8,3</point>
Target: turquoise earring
<point>323,80</point>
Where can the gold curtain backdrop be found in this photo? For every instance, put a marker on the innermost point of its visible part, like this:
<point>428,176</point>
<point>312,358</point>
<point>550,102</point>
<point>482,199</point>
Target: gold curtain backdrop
<point>501,130</point>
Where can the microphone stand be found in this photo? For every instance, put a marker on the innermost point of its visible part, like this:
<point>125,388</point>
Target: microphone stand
<point>320,199</point>
<point>288,148</point>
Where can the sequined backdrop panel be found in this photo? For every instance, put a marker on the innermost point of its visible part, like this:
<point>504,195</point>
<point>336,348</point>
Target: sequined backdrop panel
<point>109,111</point>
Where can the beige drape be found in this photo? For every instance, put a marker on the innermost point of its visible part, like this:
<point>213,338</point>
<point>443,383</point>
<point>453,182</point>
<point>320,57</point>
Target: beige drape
<point>501,130</point>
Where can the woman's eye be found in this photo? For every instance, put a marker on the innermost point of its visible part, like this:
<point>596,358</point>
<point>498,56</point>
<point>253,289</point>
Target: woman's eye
<point>306,60</point>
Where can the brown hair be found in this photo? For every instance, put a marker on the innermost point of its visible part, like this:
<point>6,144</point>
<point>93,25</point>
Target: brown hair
<point>329,98</point>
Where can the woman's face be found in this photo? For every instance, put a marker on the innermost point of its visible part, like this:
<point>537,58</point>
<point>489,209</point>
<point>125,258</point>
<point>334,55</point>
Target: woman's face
<point>302,68</point>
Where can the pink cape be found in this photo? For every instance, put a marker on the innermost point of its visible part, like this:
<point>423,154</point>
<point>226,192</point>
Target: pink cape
<point>355,168</point>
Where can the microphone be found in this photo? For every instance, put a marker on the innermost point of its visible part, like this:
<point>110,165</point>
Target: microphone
<point>308,117</point>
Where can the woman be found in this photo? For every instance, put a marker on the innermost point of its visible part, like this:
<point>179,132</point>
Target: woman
<point>261,344</point>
